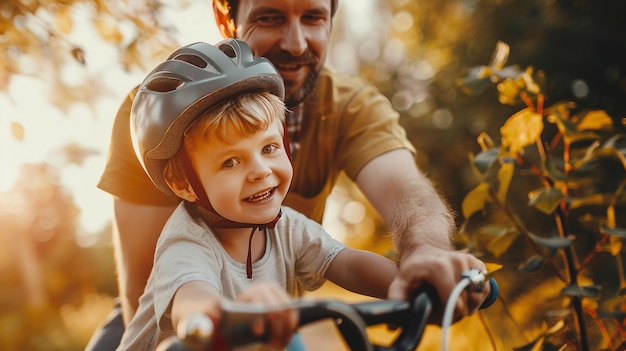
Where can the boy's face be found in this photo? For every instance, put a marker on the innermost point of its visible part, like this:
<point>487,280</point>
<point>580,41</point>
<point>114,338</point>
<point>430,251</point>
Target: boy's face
<point>293,35</point>
<point>246,181</point>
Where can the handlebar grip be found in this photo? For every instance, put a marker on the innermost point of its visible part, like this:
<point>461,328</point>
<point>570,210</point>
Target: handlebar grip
<point>493,295</point>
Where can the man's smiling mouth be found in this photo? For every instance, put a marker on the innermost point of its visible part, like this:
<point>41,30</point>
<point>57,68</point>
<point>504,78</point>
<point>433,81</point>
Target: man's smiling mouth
<point>288,67</point>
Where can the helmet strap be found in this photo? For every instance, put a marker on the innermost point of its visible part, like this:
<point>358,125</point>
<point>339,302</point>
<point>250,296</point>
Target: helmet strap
<point>286,142</point>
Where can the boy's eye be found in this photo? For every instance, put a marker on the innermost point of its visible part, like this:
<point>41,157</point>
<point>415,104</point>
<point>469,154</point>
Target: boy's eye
<point>268,149</point>
<point>230,163</point>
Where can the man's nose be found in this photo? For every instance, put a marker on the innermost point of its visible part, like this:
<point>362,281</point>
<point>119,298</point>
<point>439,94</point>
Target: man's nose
<point>294,39</point>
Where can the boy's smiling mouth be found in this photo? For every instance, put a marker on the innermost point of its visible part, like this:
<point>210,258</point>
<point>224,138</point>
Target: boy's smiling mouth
<point>260,196</point>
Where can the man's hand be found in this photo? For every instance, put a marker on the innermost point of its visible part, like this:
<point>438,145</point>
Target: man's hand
<point>443,270</point>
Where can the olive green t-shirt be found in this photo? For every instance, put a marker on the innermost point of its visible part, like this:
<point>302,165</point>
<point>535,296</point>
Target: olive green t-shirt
<point>346,123</point>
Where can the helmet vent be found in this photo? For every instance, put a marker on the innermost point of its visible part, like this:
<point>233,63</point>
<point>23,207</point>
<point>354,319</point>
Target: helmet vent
<point>192,59</point>
<point>164,84</point>
<point>228,50</point>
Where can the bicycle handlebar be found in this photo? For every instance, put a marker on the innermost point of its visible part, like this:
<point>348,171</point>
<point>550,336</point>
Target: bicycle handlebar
<point>352,319</point>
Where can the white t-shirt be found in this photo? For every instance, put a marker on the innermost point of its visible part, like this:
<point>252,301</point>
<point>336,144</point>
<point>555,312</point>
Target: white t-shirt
<point>298,252</point>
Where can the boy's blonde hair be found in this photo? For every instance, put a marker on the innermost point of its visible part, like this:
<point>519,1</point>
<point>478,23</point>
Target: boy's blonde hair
<point>245,114</point>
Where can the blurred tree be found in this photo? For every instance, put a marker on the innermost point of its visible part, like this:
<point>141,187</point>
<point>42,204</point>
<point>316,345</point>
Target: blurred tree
<point>550,201</point>
<point>421,48</point>
<point>43,271</point>
<point>36,39</point>
<point>428,45</point>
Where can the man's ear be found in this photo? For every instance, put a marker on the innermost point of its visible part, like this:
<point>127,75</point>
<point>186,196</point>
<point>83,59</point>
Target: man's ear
<point>182,189</point>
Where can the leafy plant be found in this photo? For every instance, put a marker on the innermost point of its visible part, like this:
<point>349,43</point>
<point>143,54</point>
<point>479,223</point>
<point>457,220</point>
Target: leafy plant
<point>550,202</point>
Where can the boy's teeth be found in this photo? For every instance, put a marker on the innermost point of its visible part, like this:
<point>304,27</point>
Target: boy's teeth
<point>260,196</point>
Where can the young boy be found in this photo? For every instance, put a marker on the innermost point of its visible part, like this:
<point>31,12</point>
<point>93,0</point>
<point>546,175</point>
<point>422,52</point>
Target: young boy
<point>208,126</point>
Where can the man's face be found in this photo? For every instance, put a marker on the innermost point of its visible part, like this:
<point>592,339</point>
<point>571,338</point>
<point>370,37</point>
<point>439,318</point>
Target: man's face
<point>293,34</point>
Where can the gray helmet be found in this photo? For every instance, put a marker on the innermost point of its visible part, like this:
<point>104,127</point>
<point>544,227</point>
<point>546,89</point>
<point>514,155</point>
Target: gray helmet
<point>192,80</point>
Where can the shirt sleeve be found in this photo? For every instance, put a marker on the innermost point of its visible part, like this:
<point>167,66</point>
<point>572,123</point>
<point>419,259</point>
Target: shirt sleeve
<point>370,128</point>
<point>315,250</point>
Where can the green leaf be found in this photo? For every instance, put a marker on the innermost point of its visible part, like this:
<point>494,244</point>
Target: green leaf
<point>505,174</point>
<point>531,264</point>
<point>591,200</point>
<point>484,159</point>
<point>475,200</point>
<point>617,232</point>
<point>607,153</point>
<point>560,314</point>
<point>545,200</point>
<point>617,141</point>
<point>540,344</point>
<point>593,120</point>
<point>574,137</point>
<point>475,81</point>
<point>560,109</point>
<point>522,129</point>
<point>495,229</point>
<point>553,171</point>
<point>501,243</point>
<point>565,126</point>
<point>589,291</point>
<point>552,243</point>
<point>532,346</point>
<point>500,55</point>
<point>509,91</point>
<point>512,71</point>
<point>620,193</point>
<point>585,166</point>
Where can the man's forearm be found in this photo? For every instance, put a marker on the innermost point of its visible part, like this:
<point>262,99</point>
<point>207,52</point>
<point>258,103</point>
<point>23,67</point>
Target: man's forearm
<point>421,217</point>
<point>407,200</point>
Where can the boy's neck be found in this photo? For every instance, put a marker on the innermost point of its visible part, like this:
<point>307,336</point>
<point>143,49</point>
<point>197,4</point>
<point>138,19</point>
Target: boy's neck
<point>234,240</point>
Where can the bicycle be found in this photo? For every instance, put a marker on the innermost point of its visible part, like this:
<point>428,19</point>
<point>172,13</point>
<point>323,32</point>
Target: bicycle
<point>351,319</point>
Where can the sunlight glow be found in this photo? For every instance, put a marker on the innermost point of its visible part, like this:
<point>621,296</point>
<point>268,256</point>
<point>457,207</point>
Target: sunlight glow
<point>47,128</point>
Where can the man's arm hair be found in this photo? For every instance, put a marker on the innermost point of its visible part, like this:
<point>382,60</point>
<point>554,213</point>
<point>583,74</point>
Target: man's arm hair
<point>412,208</point>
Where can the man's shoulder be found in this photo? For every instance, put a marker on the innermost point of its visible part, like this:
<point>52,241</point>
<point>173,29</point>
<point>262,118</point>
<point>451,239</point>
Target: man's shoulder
<point>128,99</point>
<point>335,89</point>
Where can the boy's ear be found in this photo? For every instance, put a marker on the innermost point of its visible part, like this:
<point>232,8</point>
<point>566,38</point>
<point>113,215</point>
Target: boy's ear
<point>182,190</point>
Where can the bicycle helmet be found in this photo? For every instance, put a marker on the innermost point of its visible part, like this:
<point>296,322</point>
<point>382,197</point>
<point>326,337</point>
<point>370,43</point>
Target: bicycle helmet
<point>225,12</point>
<point>192,80</point>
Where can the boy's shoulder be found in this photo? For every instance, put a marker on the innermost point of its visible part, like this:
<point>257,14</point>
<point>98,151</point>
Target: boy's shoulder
<point>292,214</point>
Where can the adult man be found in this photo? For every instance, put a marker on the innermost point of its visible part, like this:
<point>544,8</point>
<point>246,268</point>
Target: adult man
<point>337,124</point>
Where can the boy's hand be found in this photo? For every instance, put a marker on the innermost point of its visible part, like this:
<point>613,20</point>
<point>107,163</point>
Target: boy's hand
<point>280,323</point>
